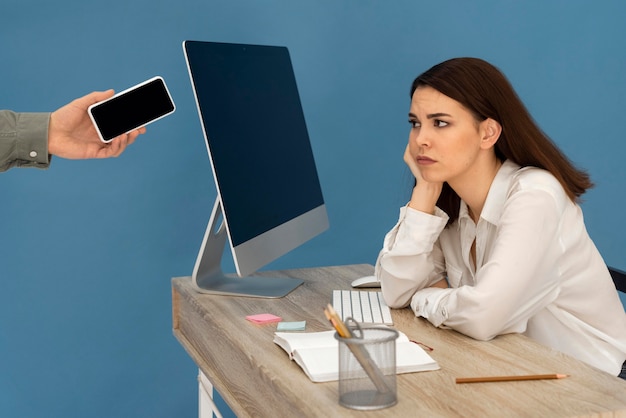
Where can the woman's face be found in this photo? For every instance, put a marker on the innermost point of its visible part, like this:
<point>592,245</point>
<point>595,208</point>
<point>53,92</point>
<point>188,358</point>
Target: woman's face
<point>445,138</point>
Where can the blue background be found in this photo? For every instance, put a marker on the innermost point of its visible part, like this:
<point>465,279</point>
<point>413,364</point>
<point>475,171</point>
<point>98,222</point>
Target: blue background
<point>88,248</point>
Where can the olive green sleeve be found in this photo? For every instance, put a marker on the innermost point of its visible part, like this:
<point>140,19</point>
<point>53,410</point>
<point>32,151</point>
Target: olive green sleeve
<point>23,140</point>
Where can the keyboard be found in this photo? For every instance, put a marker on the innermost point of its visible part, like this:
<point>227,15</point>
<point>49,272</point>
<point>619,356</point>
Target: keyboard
<point>366,307</point>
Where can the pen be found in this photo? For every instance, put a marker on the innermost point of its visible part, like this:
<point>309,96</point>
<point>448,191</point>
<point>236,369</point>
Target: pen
<point>509,378</point>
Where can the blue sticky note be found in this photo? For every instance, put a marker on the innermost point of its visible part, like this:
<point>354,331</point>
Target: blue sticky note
<point>291,326</point>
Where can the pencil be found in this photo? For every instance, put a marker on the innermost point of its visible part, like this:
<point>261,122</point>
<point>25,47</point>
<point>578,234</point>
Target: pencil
<point>339,326</point>
<point>509,378</point>
<point>360,353</point>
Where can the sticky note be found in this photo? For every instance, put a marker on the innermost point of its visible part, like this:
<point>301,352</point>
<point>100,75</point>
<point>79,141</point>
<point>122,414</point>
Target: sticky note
<point>291,326</point>
<point>265,318</point>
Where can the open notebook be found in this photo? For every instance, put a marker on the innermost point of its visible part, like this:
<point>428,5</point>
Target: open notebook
<point>317,353</point>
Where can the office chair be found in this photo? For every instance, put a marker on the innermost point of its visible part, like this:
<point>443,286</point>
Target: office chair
<point>619,278</point>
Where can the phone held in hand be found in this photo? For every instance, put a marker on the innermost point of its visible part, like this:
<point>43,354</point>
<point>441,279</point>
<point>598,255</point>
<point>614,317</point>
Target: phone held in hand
<point>131,109</point>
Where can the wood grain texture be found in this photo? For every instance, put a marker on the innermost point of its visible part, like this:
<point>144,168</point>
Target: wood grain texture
<point>257,379</point>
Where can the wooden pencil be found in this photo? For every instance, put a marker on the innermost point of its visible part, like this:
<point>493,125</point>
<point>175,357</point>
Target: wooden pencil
<point>360,353</point>
<point>509,378</point>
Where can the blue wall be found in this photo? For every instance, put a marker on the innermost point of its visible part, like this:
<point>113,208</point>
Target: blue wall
<point>88,247</point>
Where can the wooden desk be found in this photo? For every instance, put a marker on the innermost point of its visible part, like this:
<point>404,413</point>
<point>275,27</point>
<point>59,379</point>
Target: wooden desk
<point>256,378</point>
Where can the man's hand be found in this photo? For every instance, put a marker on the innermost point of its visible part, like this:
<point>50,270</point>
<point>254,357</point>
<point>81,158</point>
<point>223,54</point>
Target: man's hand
<point>71,133</point>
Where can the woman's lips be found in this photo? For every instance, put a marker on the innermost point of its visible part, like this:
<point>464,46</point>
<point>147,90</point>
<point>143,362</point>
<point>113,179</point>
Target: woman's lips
<point>423,160</point>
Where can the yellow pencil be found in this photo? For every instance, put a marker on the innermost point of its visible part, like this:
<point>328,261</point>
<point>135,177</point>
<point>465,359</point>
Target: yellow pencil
<point>337,323</point>
<point>509,378</point>
<point>360,353</point>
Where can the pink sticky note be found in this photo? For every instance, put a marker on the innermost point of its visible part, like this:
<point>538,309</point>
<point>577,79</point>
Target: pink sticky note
<point>265,318</point>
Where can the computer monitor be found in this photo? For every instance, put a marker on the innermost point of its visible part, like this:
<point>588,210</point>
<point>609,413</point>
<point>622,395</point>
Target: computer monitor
<point>269,199</point>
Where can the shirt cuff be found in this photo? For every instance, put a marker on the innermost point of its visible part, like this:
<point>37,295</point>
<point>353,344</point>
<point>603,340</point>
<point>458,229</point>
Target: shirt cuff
<point>32,133</point>
<point>426,303</point>
<point>418,231</point>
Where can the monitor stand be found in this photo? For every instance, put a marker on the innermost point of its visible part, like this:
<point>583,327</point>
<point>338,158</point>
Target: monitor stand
<point>208,276</point>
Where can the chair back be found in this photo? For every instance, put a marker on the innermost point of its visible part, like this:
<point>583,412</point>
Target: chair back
<point>619,278</point>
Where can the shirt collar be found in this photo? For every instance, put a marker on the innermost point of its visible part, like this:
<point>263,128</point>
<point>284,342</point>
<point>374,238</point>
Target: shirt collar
<point>494,204</point>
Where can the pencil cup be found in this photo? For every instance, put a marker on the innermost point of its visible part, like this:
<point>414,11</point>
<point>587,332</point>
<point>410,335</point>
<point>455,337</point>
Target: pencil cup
<point>367,368</point>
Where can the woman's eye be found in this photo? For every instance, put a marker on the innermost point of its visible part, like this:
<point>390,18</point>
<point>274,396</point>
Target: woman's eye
<point>440,123</point>
<point>414,124</point>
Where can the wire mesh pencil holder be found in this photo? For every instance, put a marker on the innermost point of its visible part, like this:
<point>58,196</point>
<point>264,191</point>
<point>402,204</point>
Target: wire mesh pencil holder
<point>367,367</point>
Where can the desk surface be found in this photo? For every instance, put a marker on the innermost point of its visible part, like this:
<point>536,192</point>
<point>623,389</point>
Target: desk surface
<point>256,377</point>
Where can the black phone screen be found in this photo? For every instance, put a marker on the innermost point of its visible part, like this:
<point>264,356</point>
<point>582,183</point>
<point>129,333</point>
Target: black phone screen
<point>132,109</point>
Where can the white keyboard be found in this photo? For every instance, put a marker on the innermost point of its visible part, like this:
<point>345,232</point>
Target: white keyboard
<point>363,306</point>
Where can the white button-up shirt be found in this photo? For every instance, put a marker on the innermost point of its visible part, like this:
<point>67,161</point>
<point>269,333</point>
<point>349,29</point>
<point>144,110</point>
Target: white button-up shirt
<point>537,272</point>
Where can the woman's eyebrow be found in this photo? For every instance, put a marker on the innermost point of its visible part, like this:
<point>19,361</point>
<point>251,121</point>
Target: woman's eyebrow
<point>437,115</point>
<point>432,115</point>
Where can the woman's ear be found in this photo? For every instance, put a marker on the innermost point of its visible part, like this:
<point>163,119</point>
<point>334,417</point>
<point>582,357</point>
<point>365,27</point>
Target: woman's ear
<point>491,132</point>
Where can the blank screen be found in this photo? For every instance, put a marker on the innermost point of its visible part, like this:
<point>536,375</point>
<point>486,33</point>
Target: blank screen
<point>256,135</point>
<point>133,109</point>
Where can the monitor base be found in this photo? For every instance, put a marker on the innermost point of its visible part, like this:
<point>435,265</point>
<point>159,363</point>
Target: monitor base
<point>250,286</point>
<point>208,277</point>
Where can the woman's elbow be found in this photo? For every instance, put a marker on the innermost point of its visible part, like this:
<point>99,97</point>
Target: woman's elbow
<point>481,334</point>
<point>478,329</point>
<point>395,299</point>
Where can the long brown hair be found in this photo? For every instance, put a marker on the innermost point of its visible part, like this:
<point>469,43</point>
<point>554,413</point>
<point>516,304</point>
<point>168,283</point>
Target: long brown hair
<point>484,90</point>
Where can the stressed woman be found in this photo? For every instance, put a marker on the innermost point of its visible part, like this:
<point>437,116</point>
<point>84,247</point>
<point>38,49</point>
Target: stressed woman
<point>492,240</point>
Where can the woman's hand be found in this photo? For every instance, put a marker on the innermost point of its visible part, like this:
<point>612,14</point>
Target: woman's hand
<point>410,160</point>
<point>442,284</point>
<point>425,194</point>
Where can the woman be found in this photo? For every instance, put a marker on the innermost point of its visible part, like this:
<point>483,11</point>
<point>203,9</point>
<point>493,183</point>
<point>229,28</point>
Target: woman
<point>492,240</point>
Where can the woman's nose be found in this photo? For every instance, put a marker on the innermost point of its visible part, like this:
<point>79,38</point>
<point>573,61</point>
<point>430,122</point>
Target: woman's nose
<point>421,137</point>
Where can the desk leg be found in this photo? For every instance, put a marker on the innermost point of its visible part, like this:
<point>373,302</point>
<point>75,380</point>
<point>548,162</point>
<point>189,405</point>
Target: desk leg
<point>206,406</point>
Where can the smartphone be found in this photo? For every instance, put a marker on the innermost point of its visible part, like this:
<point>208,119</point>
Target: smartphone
<point>131,109</point>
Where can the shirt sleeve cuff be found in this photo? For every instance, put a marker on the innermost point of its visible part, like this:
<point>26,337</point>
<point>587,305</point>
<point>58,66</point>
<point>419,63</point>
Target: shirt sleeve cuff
<point>419,224</point>
<point>426,303</point>
<point>32,146</point>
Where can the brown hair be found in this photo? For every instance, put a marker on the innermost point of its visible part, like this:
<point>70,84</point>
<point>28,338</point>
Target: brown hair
<point>484,90</point>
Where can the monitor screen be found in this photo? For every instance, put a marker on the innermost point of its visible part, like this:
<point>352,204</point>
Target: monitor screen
<point>258,144</point>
